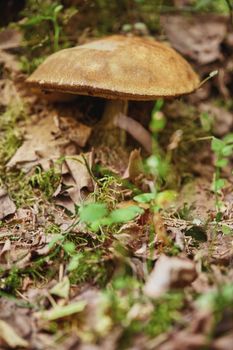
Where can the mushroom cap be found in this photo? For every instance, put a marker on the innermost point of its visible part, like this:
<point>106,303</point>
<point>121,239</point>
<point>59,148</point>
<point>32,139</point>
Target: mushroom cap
<point>117,67</point>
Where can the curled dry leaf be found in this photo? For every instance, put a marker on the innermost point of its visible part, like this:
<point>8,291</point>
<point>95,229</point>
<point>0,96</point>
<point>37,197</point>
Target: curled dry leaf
<point>135,166</point>
<point>198,37</point>
<point>169,272</point>
<point>7,206</point>
<point>76,182</point>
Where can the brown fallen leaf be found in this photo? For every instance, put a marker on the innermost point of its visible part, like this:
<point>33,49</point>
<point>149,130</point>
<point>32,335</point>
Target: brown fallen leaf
<point>9,93</point>
<point>76,181</point>
<point>198,37</point>
<point>10,337</point>
<point>160,229</point>
<point>5,249</point>
<point>41,144</point>
<point>48,140</point>
<point>197,197</point>
<point>9,62</point>
<point>135,166</point>
<point>222,118</point>
<point>76,131</point>
<point>223,343</point>
<point>169,272</point>
<point>7,206</point>
<point>10,39</point>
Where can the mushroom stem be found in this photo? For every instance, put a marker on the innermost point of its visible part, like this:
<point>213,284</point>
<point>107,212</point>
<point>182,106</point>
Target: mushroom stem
<point>107,132</point>
<point>113,108</point>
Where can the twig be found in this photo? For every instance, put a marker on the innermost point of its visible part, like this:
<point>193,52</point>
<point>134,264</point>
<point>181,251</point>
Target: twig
<point>136,130</point>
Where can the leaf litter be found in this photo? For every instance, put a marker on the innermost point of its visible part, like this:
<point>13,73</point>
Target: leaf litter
<point>133,285</point>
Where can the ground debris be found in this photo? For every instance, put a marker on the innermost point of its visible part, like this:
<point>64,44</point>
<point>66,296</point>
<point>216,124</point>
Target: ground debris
<point>169,273</point>
<point>77,181</point>
<point>222,118</point>
<point>136,285</point>
<point>7,206</point>
<point>134,168</point>
<point>10,337</point>
<point>48,140</point>
<point>198,37</point>
<point>10,39</point>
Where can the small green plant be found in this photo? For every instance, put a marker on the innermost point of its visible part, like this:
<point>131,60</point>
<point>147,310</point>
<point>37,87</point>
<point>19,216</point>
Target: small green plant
<point>129,308</point>
<point>222,149</point>
<point>89,266</point>
<point>159,200</point>
<point>11,282</point>
<point>220,6</point>
<point>220,303</point>
<point>45,12</point>
<point>43,29</point>
<point>96,215</point>
<point>158,163</point>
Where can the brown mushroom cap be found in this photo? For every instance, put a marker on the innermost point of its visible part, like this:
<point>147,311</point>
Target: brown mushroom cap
<point>117,67</point>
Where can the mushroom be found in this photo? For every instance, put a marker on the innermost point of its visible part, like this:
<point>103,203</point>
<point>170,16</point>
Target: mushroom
<point>117,68</point>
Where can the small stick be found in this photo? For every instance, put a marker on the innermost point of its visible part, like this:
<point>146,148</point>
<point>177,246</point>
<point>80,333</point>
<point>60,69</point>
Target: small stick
<point>135,129</point>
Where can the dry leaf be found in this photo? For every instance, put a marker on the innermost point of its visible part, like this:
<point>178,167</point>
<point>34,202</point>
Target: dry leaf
<point>223,343</point>
<point>40,144</point>
<point>9,61</point>
<point>10,337</point>
<point>169,272</point>
<point>48,140</point>
<point>9,93</point>
<point>197,196</point>
<point>223,121</point>
<point>10,39</point>
<point>7,206</point>
<point>160,229</point>
<point>77,181</point>
<point>76,131</point>
<point>6,248</point>
<point>135,166</point>
<point>198,37</point>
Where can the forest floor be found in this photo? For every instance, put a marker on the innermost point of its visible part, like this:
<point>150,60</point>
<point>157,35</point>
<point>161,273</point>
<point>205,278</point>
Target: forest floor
<point>119,249</point>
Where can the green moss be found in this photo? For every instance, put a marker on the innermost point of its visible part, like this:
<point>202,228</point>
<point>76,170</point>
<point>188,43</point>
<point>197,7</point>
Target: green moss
<point>166,312</point>
<point>10,135</point>
<point>91,267</point>
<point>12,281</point>
<point>46,181</point>
<point>19,188</point>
